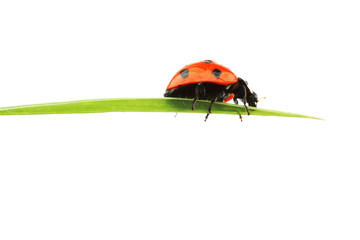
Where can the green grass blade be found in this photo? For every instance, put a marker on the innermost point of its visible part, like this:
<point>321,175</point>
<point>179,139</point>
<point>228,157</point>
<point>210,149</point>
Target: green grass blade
<point>179,105</point>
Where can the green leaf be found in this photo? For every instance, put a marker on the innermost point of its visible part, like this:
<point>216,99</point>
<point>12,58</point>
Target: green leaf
<point>179,105</point>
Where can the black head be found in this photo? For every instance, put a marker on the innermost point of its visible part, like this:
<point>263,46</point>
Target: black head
<point>252,99</point>
<point>245,94</point>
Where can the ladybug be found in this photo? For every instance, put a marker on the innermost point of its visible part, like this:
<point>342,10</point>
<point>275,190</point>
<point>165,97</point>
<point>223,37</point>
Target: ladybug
<point>208,80</point>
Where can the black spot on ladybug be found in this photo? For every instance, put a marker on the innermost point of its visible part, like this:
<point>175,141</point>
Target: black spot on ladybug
<point>216,73</point>
<point>184,73</point>
<point>207,61</point>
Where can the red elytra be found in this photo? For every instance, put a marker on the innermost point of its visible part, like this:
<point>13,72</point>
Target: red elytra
<point>208,80</point>
<point>202,72</point>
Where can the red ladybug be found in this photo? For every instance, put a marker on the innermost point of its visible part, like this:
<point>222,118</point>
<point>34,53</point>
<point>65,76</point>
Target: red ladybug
<point>208,80</point>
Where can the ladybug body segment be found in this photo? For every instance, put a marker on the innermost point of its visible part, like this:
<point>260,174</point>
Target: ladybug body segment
<point>207,80</point>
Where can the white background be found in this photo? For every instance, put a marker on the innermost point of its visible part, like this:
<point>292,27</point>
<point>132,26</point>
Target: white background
<point>154,176</point>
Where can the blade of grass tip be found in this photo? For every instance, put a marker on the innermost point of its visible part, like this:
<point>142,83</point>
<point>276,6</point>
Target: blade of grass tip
<point>138,105</point>
<point>267,112</point>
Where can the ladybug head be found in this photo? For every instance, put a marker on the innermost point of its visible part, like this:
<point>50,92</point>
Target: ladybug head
<point>252,99</point>
<point>245,94</point>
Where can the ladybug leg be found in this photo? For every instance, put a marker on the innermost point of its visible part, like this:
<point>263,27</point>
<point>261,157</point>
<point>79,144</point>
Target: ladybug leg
<point>244,100</point>
<point>193,103</point>
<point>199,91</point>
<point>237,102</point>
<point>220,96</point>
<point>210,107</point>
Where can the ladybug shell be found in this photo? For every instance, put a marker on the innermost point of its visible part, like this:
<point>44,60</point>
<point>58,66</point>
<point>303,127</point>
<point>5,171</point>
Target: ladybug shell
<point>205,71</point>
